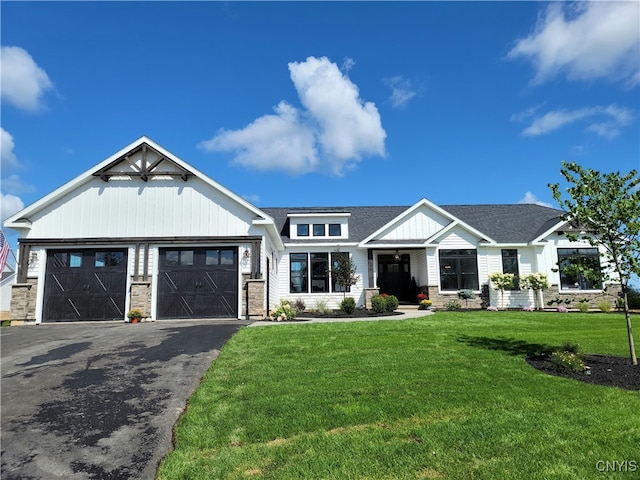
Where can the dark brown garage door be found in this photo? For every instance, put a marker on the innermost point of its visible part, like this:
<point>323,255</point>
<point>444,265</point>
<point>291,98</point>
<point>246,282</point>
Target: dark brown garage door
<point>198,283</point>
<point>85,285</point>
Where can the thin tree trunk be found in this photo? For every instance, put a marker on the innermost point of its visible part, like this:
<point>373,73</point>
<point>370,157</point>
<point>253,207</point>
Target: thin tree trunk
<point>632,348</point>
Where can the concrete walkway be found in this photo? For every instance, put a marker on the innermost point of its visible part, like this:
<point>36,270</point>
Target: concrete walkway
<point>405,313</point>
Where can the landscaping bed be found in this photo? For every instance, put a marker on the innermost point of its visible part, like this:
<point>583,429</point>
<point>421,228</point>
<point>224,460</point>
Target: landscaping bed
<point>608,370</point>
<point>341,314</point>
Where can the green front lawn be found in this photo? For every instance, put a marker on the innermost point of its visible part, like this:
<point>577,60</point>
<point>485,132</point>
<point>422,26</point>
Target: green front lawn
<point>446,396</point>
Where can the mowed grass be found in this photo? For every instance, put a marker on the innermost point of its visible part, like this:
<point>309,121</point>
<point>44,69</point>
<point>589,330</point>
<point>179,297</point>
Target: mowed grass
<point>446,396</point>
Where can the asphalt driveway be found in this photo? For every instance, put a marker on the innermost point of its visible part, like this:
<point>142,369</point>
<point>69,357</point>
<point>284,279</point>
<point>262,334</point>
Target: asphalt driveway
<point>99,401</point>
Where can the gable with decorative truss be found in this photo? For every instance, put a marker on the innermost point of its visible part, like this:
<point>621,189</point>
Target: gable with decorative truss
<point>145,162</point>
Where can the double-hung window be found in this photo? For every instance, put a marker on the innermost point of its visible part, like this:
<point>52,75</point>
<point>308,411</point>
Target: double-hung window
<point>579,268</point>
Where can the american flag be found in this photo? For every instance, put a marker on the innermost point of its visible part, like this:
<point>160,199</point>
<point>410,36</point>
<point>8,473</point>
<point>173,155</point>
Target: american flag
<point>4,251</point>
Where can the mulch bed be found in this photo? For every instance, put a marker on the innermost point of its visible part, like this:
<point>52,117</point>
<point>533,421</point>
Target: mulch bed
<point>605,370</point>
<point>341,314</point>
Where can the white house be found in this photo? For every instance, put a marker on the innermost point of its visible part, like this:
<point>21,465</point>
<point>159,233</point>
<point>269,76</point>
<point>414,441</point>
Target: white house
<point>145,229</point>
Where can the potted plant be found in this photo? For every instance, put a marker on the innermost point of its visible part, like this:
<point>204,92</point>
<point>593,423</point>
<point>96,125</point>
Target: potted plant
<point>425,304</point>
<point>135,315</point>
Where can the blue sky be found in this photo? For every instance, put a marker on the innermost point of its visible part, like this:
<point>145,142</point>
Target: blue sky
<point>300,104</point>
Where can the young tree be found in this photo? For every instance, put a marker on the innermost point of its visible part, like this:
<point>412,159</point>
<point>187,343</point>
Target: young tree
<point>502,282</point>
<point>344,271</point>
<point>537,282</point>
<point>605,209</point>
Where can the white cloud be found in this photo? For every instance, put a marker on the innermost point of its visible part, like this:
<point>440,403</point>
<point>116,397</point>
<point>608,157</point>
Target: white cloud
<point>401,91</point>
<point>333,131</point>
<point>13,184</point>
<point>603,121</point>
<point>347,64</point>
<point>531,198</point>
<point>281,141</point>
<point>23,82</point>
<point>585,41</point>
<point>349,128</point>
<point>10,205</point>
<point>7,157</point>
<point>254,199</point>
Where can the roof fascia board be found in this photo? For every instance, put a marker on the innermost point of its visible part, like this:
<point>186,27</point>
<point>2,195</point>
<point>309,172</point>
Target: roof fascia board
<point>439,233</point>
<point>324,214</point>
<point>557,226</point>
<point>504,245</point>
<point>397,246</point>
<point>317,244</point>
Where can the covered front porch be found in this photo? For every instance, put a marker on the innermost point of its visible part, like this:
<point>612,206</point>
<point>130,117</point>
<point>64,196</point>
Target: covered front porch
<point>399,271</point>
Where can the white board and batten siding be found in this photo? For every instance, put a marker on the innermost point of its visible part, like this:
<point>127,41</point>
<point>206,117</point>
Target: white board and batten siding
<point>420,225</point>
<point>133,208</point>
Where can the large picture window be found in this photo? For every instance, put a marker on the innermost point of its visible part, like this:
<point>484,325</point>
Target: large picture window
<point>458,269</point>
<point>311,272</point>
<point>576,265</point>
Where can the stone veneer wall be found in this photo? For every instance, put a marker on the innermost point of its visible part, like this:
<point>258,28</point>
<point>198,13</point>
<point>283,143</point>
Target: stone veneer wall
<point>440,299</point>
<point>482,300</point>
<point>611,294</point>
<point>253,290</point>
<point>141,296</point>
<point>23,300</point>
<point>369,293</point>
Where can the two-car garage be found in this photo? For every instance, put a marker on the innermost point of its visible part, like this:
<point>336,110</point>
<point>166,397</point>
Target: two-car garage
<point>91,284</point>
<point>142,230</point>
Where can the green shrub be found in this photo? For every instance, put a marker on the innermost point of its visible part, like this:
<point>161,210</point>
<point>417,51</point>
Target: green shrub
<point>348,305</point>
<point>570,347</point>
<point>583,306</point>
<point>604,306</point>
<point>321,307</point>
<point>299,305</point>
<point>567,361</point>
<point>378,303</point>
<point>466,295</point>
<point>284,312</point>
<point>392,303</point>
<point>452,305</point>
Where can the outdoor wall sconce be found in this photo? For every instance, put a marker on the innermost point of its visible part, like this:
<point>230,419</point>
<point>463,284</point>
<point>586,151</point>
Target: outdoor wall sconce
<point>396,257</point>
<point>246,253</point>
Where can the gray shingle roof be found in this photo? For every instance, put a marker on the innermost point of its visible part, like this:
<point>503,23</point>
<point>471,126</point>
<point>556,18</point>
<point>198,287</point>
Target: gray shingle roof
<point>514,223</point>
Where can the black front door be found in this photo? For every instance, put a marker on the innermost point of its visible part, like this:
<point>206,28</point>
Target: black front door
<point>85,285</point>
<point>394,276</point>
<point>198,283</point>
